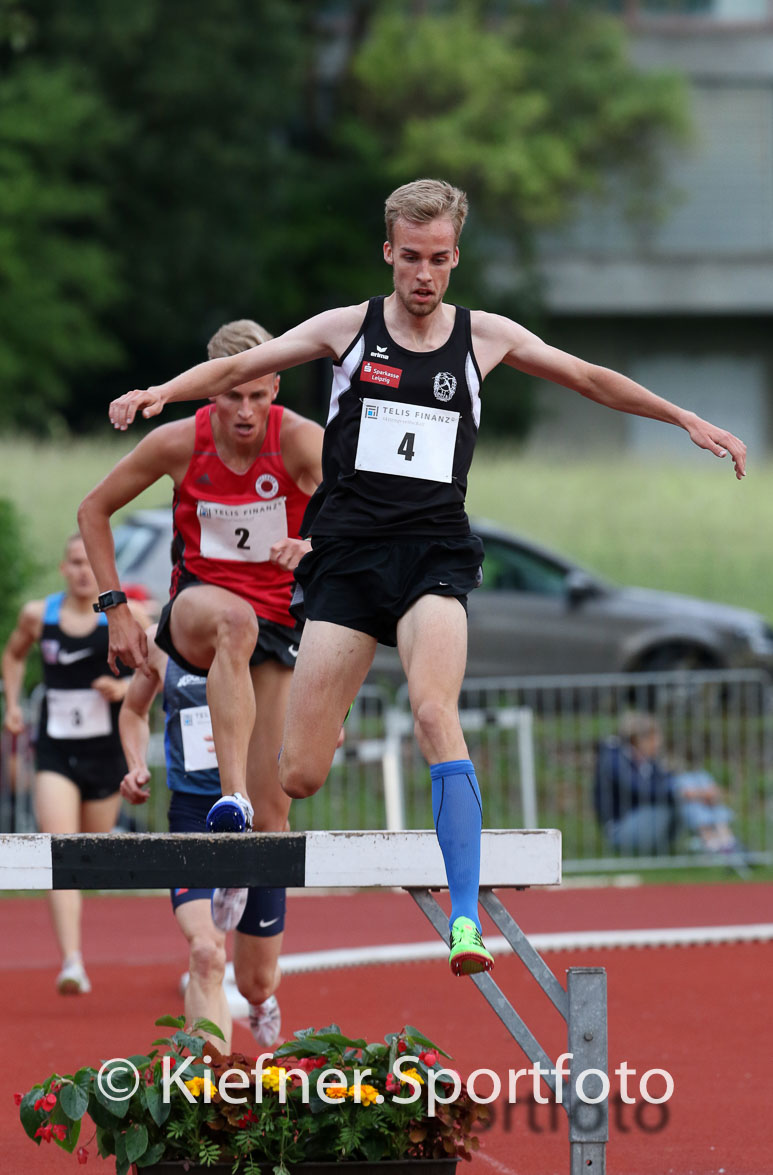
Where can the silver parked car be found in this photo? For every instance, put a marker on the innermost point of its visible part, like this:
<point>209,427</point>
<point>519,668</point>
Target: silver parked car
<point>536,613</point>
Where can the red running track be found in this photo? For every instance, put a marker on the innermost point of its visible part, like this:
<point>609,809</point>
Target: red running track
<point>702,1013</point>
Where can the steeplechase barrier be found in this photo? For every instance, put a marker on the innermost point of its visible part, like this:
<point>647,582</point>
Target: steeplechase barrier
<point>510,858</point>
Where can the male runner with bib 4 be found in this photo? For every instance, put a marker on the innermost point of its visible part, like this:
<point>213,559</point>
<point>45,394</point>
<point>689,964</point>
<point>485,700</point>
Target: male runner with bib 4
<point>393,559</point>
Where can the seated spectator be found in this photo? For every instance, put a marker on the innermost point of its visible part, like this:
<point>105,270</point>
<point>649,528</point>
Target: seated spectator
<point>643,807</point>
<point>634,795</point>
<point>703,811</point>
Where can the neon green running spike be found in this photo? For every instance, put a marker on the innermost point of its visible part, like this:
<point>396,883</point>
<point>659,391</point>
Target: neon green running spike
<point>468,954</point>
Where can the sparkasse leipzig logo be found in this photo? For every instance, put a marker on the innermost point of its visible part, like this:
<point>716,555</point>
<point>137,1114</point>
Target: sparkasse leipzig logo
<point>267,486</point>
<point>444,386</point>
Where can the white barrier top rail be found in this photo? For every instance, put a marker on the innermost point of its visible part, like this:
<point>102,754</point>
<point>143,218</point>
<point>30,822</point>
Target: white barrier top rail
<point>509,857</point>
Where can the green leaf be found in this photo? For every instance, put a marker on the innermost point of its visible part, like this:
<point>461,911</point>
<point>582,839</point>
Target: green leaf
<point>105,1141</point>
<point>30,1117</point>
<point>170,1022</point>
<point>207,1026</point>
<point>158,1108</point>
<point>136,1140</point>
<point>338,1038</point>
<point>118,1109</point>
<point>152,1155</point>
<point>59,1118</point>
<point>194,1044</point>
<point>74,1100</point>
<point>100,1116</point>
<point>414,1035</point>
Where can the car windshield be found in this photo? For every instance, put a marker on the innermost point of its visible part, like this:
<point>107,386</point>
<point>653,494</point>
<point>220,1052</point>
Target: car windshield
<point>508,568</point>
<point>132,542</point>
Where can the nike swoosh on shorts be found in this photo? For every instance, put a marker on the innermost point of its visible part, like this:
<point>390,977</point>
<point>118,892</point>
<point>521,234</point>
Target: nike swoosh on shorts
<point>263,924</point>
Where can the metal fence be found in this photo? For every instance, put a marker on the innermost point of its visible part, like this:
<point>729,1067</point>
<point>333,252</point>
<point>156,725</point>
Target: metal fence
<point>534,743</point>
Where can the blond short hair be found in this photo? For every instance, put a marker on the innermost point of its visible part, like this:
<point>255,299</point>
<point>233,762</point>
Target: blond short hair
<point>424,200</point>
<point>636,725</point>
<point>234,337</point>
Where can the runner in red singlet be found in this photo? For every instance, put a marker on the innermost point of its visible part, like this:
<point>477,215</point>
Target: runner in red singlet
<point>243,469</point>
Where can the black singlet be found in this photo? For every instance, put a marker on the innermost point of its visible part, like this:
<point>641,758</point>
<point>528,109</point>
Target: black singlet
<point>74,717</point>
<point>400,436</point>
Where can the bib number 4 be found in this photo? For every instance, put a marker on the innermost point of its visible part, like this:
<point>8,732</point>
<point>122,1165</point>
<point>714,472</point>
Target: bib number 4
<point>406,447</point>
<point>406,440</point>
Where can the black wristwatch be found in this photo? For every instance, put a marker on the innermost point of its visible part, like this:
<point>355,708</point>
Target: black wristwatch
<point>109,600</point>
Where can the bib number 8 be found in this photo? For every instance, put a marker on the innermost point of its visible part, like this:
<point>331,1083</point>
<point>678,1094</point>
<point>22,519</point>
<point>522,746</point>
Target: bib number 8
<point>406,447</point>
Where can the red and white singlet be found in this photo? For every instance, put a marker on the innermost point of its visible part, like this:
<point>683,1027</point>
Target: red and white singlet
<point>225,523</point>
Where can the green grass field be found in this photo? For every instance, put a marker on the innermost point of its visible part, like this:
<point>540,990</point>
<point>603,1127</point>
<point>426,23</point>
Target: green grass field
<point>690,528</point>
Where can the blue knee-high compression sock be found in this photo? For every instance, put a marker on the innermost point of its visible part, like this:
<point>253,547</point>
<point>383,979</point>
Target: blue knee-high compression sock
<point>456,807</point>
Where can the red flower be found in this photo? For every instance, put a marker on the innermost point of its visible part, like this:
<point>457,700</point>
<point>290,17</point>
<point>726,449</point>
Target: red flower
<point>392,1084</point>
<point>56,1086</point>
<point>46,1103</point>
<point>402,1046</point>
<point>308,1064</point>
<point>429,1058</point>
<point>44,1132</point>
<point>17,1097</point>
<point>59,1131</point>
<point>82,1155</point>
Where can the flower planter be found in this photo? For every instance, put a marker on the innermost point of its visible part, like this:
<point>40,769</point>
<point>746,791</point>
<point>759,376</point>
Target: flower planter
<point>360,1167</point>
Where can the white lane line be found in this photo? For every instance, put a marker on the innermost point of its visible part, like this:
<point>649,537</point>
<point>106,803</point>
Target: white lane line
<point>416,952</point>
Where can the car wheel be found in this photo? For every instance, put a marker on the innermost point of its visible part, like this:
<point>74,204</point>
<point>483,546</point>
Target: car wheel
<point>675,656</point>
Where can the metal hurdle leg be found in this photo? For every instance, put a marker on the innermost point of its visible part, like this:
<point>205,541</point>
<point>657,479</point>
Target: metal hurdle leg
<point>583,1005</point>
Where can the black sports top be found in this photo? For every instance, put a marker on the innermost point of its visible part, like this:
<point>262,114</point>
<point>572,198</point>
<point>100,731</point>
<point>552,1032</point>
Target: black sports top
<point>400,436</point>
<point>73,712</point>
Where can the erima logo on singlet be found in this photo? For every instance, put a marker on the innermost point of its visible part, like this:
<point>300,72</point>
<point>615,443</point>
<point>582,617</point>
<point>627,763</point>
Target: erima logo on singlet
<point>444,386</point>
<point>379,353</point>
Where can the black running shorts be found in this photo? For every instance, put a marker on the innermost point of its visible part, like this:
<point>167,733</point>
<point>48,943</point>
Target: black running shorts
<point>275,642</point>
<point>96,776</point>
<point>370,585</point>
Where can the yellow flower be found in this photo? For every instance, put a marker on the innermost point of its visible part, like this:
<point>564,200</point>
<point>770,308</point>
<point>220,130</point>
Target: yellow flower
<point>369,1095</point>
<point>196,1086</point>
<point>272,1076</point>
<point>414,1073</point>
<point>336,1091</point>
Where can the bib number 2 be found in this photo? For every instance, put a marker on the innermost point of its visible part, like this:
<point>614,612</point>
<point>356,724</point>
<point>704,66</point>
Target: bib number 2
<point>243,533</point>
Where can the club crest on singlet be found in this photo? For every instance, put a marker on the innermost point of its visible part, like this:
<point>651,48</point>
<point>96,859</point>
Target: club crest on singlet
<point>267,486</point>
<point>444,386</point>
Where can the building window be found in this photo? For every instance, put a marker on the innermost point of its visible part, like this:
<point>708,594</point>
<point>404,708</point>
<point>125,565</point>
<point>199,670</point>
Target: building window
<point>704,11</point>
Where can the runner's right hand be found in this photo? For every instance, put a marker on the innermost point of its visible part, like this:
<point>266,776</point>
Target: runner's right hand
<point>125,408</point>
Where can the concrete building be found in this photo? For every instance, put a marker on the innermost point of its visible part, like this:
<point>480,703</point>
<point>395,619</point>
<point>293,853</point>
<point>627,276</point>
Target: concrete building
<point>687,307</point>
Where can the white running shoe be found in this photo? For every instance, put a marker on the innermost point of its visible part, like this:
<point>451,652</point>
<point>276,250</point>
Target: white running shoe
<point>72,979</point>
<point>230,814</point>
<point>266,1022</point>
<point>228,906</point>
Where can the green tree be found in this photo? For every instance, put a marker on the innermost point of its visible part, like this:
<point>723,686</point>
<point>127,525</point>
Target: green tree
<point>526,106</point>
<point>56,276</point>
<point>16,567</point>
